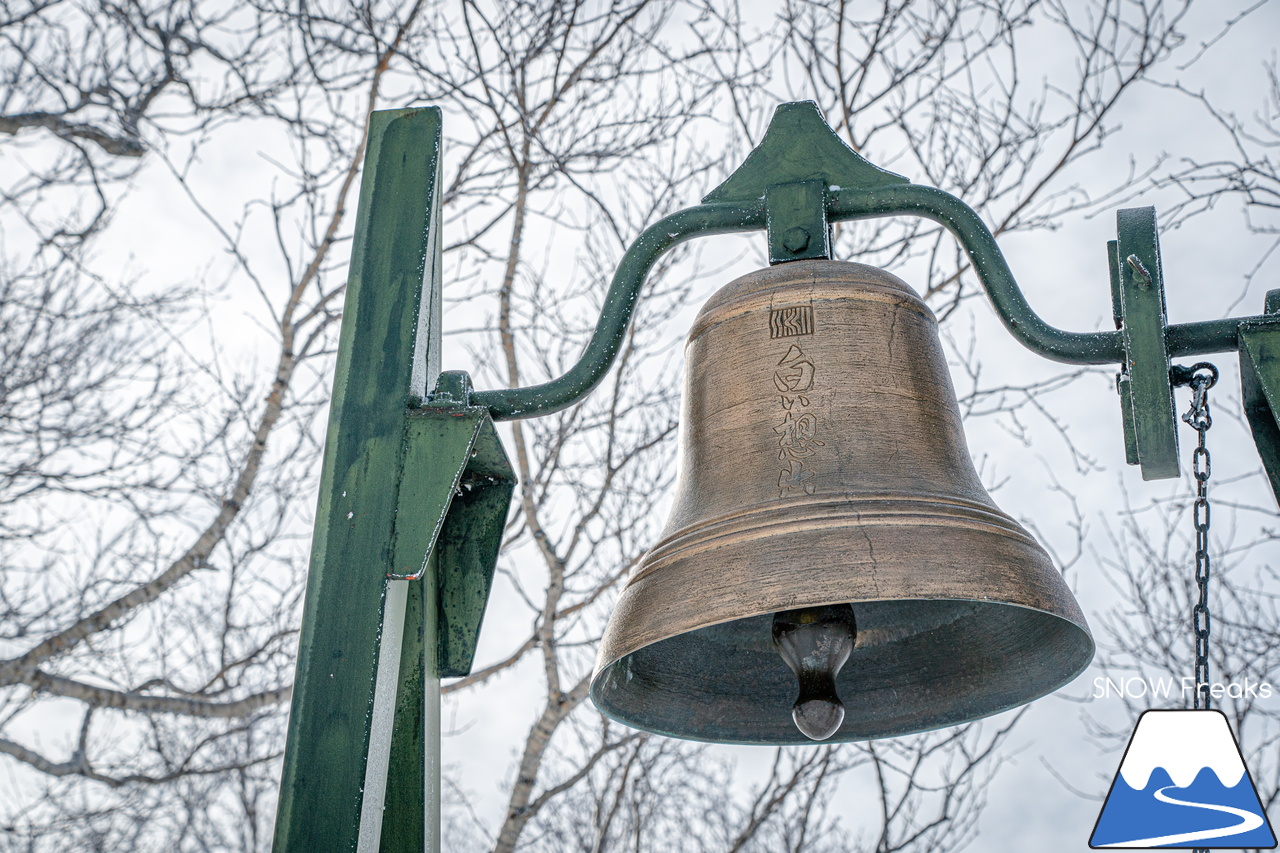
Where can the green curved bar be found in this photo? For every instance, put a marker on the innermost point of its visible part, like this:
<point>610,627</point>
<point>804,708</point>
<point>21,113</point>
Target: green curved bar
<point>619,303</point>
<point>1183,339</point>
<point>1186,339</point>
<point>988,262</point>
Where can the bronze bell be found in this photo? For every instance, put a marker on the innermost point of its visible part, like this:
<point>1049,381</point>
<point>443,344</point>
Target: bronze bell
<point>828,517</point>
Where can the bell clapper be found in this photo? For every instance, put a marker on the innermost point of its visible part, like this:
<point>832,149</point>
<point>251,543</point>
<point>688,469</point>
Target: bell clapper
<point>815,642</point>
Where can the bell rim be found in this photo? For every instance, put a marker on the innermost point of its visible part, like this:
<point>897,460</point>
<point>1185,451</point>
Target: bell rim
<point>1068,625</point>
<point>985,564</point>
<point>1081,624</point>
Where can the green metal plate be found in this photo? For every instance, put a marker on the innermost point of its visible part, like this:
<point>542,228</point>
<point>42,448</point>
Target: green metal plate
<point>796,220</point>
<point>1124,387</point>
<point>1260,384</point>
<point>1142,309</point>
<point>468,549</point>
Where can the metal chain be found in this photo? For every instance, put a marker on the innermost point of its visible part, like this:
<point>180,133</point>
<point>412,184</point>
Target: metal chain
<point>1201,377</point>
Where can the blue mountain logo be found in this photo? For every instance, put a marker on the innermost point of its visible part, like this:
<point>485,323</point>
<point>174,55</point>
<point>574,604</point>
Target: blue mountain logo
<point>1182,783</point>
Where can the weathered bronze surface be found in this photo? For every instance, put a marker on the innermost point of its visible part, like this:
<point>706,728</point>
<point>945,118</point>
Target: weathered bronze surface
<point>822,461</point>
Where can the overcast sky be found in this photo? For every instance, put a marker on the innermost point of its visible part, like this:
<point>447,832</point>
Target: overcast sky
<point>1047,795</point>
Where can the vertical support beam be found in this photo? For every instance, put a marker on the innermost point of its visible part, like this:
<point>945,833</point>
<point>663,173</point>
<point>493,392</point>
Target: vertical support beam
<point>349,657</point>
<point>1260,386</point>
<point>413,780</point>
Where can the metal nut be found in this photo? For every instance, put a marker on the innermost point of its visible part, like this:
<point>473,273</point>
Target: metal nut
<point>795,240</point>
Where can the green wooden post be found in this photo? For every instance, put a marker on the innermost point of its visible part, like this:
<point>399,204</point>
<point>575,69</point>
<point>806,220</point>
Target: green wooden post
<point>334,780</point>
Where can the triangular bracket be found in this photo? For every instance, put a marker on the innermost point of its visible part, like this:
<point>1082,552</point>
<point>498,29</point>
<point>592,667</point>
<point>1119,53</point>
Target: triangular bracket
<point>798,146</point>
<point>795,169</point>
<point>454,498</point>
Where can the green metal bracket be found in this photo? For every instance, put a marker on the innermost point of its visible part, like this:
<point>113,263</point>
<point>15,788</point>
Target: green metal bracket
<point>454,501</point>
<point>799,148</point>
<point>1123,384</point>
<point>1146,390</point>
<point>796,221</point>
<point>798,161</point>
<point>1260,384</point>
<point>468,549</point>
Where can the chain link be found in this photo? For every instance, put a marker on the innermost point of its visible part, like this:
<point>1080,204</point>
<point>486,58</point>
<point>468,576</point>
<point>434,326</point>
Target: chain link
<point>1201,377</point>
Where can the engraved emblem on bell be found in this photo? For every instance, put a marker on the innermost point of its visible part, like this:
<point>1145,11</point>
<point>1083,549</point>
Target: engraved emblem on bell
<point>832,568</point>
<point>786,322</point>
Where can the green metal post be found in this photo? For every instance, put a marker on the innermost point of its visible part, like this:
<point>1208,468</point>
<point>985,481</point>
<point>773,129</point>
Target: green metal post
<point>351,673</point>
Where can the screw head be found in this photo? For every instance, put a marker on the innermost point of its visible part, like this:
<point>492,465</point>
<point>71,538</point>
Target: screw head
<point>795,240</point>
